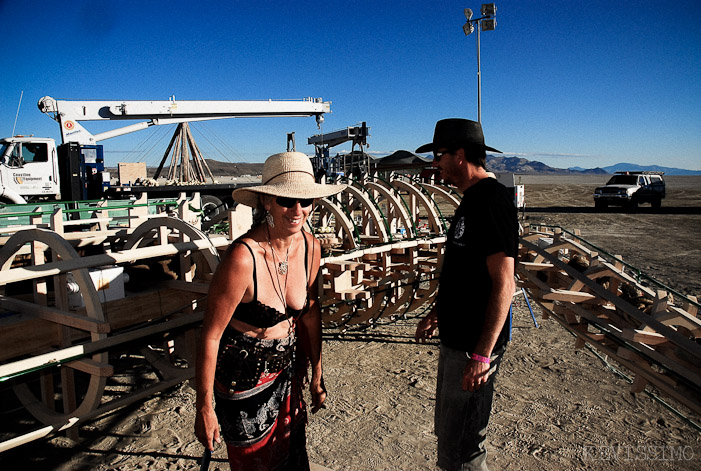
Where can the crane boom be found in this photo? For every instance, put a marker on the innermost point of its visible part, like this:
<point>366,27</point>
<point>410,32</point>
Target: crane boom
<point>69,113</point>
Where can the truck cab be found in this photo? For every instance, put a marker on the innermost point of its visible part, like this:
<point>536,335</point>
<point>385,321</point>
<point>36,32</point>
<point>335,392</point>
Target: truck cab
<point>28,170</point>
<point>630,189</point>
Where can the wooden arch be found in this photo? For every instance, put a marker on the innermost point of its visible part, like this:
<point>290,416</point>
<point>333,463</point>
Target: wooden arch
<point>397,206</point>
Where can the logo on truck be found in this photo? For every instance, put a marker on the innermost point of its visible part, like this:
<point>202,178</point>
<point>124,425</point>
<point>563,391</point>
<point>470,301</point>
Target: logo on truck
<point>22,178</point>
<point>69,125</point>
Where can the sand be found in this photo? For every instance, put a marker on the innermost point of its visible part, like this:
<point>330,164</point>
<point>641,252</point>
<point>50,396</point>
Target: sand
<point>555,408</point>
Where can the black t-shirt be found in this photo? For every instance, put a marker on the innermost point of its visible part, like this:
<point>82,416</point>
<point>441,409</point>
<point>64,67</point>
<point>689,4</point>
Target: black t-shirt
<point>484,224</point>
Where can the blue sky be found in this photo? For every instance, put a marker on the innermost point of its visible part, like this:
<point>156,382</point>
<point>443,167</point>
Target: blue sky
<point>564,82</point>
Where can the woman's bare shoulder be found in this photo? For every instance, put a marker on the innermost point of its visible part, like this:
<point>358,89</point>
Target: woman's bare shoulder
<point>239,256</point>
<point>247,243</point>
<point>311,239</point>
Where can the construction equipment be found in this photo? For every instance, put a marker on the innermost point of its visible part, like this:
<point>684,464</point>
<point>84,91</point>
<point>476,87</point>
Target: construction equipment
<point>356,162</point>
<point>34,169</point>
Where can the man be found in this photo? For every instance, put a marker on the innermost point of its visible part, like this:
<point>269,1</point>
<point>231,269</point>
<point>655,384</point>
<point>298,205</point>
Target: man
<point>476,287</point>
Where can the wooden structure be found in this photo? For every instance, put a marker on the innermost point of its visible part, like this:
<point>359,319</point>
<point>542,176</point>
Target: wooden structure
<point>186,162</point>
<point>390,239</point>
<point>63,334</point>
<point>597,298</point>
<point>59,324</point>
<point>62,331</point>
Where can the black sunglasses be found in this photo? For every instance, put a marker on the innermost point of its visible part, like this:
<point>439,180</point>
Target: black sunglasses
<point>290,202</point>
<point>437,155</point>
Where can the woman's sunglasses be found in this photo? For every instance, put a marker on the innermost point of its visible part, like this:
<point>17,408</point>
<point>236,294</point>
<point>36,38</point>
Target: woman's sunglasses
<point>290,202</point>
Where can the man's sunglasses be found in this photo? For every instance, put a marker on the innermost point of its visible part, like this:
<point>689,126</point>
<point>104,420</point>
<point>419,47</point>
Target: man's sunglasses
<point>437,155</point>
<point>290,202</point>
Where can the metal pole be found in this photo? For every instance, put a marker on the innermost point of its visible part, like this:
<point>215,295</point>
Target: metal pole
<point>479,76</point>
<point>17,114</point>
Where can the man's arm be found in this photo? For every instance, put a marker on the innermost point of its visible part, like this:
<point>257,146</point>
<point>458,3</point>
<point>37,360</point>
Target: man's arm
<point>501,272</point>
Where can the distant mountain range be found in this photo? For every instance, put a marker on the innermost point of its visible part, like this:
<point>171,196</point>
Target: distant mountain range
<point>625,167</point>
<point>524,166</point>
<point>497,164</point>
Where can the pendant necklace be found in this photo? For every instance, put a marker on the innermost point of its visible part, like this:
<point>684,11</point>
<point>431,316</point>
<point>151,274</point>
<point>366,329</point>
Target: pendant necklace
<point>281,265</point>
<point>280,289</point>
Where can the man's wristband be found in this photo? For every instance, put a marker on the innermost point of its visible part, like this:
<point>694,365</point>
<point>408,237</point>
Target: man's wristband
<point>480,358</point>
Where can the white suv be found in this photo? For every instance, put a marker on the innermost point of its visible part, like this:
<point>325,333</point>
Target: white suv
<point>630,189</point>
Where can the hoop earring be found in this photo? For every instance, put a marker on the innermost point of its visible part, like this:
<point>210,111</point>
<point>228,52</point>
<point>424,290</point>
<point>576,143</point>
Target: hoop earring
<point>269,219</point>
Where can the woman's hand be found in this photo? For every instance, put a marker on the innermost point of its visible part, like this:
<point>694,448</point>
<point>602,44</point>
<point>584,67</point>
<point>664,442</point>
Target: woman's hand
<point>207,428</point>
<point>319,394</point>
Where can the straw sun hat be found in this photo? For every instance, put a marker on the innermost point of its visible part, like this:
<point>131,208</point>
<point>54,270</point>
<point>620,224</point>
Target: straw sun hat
<point>288,174</point>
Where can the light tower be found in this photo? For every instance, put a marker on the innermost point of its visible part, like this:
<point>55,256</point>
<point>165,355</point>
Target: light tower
<point>487,22</point>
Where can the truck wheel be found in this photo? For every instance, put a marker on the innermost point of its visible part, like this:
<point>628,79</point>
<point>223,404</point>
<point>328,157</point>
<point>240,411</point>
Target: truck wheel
<point>601,205</point>
<point>211,207</point>
<point>656,203</point>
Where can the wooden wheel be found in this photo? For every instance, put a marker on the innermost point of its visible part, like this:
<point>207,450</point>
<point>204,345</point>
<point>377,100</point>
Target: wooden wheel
<point>80,383</point>
<point>193,271</point>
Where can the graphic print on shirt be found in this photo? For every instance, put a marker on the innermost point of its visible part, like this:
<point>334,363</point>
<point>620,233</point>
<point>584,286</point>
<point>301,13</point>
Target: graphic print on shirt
<point>459,231</point>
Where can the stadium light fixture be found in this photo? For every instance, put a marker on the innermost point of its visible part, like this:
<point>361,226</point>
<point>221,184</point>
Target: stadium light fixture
<point>488,9</point>
<point>487,22</point>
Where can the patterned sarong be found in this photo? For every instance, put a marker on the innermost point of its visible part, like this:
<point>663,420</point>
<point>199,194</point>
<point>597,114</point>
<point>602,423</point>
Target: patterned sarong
<point>263,425</point>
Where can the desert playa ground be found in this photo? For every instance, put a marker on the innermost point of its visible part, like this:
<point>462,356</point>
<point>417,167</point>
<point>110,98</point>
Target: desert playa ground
<point>556,407</point>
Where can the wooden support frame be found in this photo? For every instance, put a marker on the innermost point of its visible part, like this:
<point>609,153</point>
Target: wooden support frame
<point>578,298</point>
<point>90,323</point>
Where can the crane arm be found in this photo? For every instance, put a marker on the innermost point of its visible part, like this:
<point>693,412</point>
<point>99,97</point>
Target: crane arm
<point>69,113</point>
<point>355,134</point>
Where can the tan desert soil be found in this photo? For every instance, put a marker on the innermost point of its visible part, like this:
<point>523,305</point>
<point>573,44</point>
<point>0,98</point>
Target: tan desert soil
<point>556,407</point>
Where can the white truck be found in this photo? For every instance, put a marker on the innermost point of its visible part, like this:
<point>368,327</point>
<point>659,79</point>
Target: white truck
<point>35,169</point>
<point>28,170</point>
<point>629,189</point>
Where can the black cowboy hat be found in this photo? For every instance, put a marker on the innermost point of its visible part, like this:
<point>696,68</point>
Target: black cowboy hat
<point>455,133</point>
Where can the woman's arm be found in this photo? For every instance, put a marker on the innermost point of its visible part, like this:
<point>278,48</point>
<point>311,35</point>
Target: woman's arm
<point>228,286</point>
<point>311,337</point>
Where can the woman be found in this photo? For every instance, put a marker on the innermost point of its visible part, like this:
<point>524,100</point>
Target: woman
<point>264,297</point>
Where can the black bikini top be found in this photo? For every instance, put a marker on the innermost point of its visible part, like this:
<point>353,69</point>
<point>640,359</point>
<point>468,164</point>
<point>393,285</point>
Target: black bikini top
<point>261,315</point>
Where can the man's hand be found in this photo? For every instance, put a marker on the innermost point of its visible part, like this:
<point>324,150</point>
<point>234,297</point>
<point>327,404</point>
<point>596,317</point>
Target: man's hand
<point>475,375</point>
<point>426,327</point>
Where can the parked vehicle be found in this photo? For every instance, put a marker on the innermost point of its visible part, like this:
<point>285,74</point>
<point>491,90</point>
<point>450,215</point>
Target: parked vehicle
<point>629,189</point>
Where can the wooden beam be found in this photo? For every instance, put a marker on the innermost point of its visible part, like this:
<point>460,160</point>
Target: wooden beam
<point>90,366</point>
<point>189,286</point>
<point>76,351</point>
<point>648,338</point>
<point>125,256</point>
<point>57,316</point>
<point>536,266</point>
<point>569,296</point>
